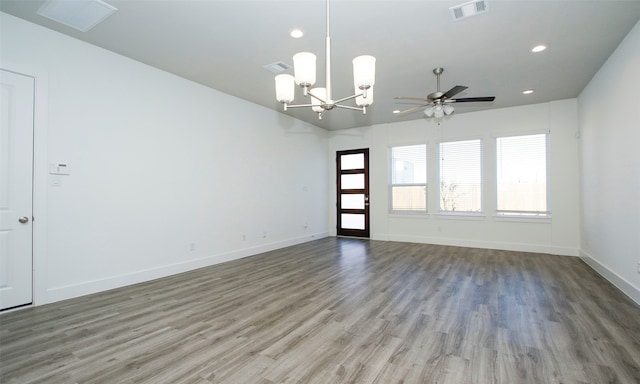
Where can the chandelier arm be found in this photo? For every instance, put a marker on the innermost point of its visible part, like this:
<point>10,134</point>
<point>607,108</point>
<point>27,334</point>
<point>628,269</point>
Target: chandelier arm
<point>298,105</point>
<point>348,98</point>
<point>361,109</point>
<point>317,98</point>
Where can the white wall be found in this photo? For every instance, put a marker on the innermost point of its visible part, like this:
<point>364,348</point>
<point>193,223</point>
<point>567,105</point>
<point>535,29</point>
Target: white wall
<point>560,235</point>
<point>166,175</point>
<point>609,115</point>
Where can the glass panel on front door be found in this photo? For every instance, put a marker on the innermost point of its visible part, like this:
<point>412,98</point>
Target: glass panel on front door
<point>353,192</point>
<point>355,161</point>
<point>352,181</point>
<point>352,221</point>
<point>350,201</point>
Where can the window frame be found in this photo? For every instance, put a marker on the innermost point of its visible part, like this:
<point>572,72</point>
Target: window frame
<point>391,185</point>
<point>536,216</point>
<point>462,214</point>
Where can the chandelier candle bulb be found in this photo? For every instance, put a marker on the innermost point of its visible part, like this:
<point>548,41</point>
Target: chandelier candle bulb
<point>319,93</point>
<point>364,71</point>
<point>285,88</point>
<point>304,66</point>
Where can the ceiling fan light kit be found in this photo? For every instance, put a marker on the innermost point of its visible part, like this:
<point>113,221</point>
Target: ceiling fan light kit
<point>439,110</point>
<point>304,65</point>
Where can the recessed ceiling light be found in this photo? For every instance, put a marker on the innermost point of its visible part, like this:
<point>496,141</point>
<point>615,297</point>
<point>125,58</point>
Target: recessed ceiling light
<point>296,33</point>
<point>396,111</point>
<point>527,91</point>
<point>538,48</point>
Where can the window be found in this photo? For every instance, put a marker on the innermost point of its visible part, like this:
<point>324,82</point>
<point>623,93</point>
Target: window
<point>408,186</point>
<point>522,175</point>
<point>461,177</point>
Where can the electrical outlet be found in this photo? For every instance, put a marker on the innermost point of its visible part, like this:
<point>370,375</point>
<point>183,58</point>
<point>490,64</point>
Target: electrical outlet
<point>56,181</point>
<point>639,267</point>
<point>192,246</point>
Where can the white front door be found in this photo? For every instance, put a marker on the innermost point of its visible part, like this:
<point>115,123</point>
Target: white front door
<point>16,180</point>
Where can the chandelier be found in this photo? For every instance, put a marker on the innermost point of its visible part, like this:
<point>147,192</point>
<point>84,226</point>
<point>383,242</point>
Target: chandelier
<point>304,66</point>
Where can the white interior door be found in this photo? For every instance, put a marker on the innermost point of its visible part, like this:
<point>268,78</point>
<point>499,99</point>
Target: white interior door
<point>16,179</point>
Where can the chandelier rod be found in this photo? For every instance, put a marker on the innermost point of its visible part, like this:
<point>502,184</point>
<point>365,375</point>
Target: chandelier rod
<point>328,61</point>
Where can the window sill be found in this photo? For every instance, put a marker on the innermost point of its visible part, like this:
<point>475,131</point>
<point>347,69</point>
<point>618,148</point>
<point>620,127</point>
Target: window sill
<point>462,216</point>
<point>523,219</point>
<point>408,215</point>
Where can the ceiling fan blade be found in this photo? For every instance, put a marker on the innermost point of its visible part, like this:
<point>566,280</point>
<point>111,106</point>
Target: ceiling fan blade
<point>453,91</point>
<point>473,99</point>
<point>412,99</point>
<point>412,109</point>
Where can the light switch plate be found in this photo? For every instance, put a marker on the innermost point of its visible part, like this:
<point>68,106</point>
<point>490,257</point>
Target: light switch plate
<point>59,169</point>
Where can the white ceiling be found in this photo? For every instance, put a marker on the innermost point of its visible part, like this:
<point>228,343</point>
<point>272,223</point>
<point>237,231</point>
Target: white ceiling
<point>225,44</point>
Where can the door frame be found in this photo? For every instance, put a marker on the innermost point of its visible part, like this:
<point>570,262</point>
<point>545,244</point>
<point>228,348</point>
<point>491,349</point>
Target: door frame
<point>339,191</point>
<point>18,216</point>
<point>40,177</point>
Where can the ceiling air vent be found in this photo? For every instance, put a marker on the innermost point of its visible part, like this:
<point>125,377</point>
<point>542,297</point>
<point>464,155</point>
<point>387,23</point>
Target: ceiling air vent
<point>277,67</point>
<point>469,9</point>
<point>78,14</point>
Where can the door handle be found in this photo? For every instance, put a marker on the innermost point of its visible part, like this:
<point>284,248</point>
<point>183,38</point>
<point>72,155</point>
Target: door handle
<point>23,219</point>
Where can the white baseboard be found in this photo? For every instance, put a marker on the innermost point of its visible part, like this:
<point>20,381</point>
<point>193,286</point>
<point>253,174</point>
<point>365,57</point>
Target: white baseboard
<point>88,287</point>
<point>380,236</point>
<point>626,287</point>
<point>522,247</point>
<point>565,251</point>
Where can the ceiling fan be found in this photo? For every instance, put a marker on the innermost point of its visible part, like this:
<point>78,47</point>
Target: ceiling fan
<point>438,103</point>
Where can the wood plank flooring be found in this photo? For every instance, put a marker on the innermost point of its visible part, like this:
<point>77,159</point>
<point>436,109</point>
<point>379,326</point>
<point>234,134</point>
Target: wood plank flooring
<point>339,311</point>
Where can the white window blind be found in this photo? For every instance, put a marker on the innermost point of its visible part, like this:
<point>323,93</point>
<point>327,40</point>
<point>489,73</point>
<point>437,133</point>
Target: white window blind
<point>522,175</point>
<point>408,184</point>
<point>461,176</point>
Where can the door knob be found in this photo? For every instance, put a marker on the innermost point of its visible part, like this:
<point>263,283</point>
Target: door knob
<point>23,219</point>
